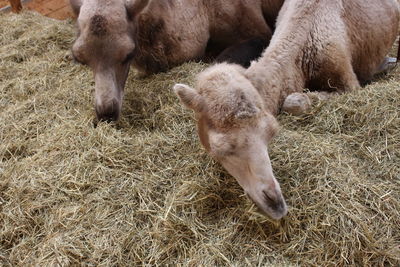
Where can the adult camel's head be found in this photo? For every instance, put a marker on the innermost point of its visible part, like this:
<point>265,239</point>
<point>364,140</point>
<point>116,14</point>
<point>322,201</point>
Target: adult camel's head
<point>105,43</point>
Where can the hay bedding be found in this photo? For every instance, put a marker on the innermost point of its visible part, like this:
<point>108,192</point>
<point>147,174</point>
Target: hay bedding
<point>145,192</point>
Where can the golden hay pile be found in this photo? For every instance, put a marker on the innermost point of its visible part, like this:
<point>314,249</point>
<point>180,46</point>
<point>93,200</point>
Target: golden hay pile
<point>145,192</point>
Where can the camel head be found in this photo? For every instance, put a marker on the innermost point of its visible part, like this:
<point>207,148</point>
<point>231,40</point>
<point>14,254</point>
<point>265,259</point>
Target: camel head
<point>235,129</point>
<point>105,44</point>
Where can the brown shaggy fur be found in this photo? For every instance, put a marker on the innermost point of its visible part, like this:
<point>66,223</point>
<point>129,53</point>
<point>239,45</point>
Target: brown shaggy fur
<point>183,31</point>
<point>98,25</point>
<point>153,47</point>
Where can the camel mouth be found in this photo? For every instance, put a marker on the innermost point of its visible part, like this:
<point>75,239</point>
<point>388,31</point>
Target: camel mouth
<point>274,208</point>
<point>108,113</point>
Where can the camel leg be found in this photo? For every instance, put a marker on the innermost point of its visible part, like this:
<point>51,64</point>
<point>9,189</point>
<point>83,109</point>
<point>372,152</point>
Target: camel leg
<point>300,103</point>
<point>350,81</point>
<point>336,70</point>
<point>344,78</point>
<point>297,104</point>
<point>16,6</point>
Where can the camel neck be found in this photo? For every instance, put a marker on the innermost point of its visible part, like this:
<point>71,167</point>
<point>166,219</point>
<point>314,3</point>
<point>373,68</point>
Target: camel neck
<point>278,72</point>
<point>275,77</point>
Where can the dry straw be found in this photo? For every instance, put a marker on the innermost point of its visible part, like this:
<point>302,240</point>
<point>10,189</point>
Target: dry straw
<point>144,192</point>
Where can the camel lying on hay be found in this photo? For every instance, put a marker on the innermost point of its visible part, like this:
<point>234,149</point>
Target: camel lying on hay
<point>328,45</point>
<point>144,192</point>
<point>156,35</point>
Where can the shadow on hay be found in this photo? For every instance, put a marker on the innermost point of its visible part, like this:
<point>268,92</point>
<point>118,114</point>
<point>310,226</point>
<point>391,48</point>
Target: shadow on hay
<point>149,102</point>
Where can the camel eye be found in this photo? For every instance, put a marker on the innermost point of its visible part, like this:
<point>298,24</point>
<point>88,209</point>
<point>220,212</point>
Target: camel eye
<point>78,60</point>
<point>226,149</point>
<point>129,57</point>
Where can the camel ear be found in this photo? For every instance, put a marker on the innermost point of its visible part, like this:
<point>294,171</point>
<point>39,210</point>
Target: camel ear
<point>245,108</point>
<point>189,97</point>
<point>76,6</point>
<point>134,7</point>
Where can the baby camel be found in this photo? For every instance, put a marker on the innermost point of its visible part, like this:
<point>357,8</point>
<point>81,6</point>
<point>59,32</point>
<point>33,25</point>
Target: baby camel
<point>331,45</point>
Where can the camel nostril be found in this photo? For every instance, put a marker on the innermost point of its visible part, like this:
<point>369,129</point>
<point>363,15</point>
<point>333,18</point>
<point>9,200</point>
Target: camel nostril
<point>276,203</point>
<point>270,205</point>
<point>109,112</point>
<point>108,117</point>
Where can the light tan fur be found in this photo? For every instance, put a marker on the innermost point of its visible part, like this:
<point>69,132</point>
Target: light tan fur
<point>328,45</point>
<point>156,35</point>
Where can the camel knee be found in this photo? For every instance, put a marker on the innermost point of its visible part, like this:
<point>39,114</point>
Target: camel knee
<point>297,104</point>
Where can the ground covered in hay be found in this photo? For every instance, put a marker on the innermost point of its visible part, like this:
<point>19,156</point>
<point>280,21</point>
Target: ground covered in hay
<point>144,191</point>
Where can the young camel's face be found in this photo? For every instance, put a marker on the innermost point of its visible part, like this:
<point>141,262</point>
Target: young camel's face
<point>235,130</point>
<point>105,43</point>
